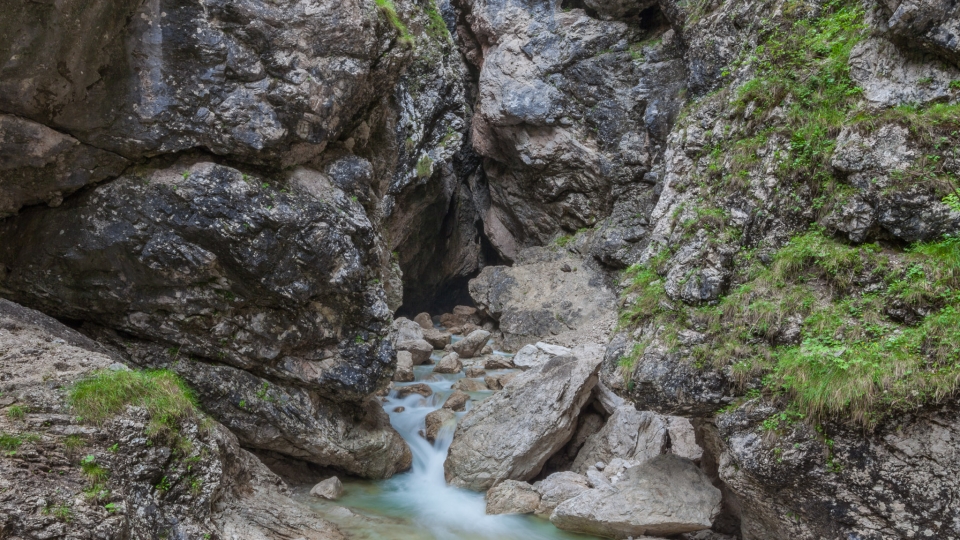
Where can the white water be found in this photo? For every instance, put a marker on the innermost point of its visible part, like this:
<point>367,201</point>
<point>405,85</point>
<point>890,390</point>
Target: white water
<point>419,505</point>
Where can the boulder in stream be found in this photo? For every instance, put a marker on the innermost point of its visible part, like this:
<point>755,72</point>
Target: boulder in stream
<point>461,316</point>
<point>436,338</point>
<point>470,385</point>
<point>409,337</point>
<point>628,434</point>
<point>457,401</point>
<point>436,420</point>
<point>471,345</point>
<point>449,364</point>
<point>665,496</point>
<point>512,497</point>
<point>510,435</point>
<point>404,371</point>
<point>418,388</point>
<point>331,489</point>
<point>424,321</point>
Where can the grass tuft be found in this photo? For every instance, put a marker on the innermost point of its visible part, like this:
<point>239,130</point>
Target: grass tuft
<point>389,11</point>
<point>167,399</point>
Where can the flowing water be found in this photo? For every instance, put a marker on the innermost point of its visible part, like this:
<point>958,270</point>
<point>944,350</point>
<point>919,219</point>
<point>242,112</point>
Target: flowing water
<point>419,505</point>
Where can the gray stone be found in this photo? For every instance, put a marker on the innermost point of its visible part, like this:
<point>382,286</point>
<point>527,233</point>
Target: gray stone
<point>512,434</point>
<point>404,371</point>
<point>449,364</point>
<point>512,497</point>
<point>457,400</point>
<point>557,488</point>
<point>438,420</point>
<point>330,489</point>
<point>665,496</point>
<point>628,434</point>
<point>533,355</point>
<point>470,346</point>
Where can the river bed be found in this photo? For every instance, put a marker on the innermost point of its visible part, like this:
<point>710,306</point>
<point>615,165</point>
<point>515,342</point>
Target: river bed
<point>419,505</point>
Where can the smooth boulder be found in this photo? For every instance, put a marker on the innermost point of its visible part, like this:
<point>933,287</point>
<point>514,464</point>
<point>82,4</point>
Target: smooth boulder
<point>449,364</point>
<point>457,401</point>
<point>471,345</point>
<point>510,435</point>
<point>533,355</point>
<point>665,496</point>
<point>512,497</point>
<point>424,321</point>
<point>330,489</point>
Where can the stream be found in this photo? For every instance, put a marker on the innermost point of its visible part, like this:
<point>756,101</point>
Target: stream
<point>418,504</point>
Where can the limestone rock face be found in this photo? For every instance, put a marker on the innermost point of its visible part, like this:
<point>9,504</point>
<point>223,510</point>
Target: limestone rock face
<point>933,25</point>
<point>912,459</point>
<point>251,80</point>
<point>510,435</point>
<point>537,299</point>
<point>235,493</point>
<point>512,497</point>
<point>41,165</point>
<point>665,496</point>
<point>565,119</point>
<point>188,262</point>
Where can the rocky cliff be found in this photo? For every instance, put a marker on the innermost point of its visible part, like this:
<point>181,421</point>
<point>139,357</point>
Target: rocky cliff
<point>752,206</point>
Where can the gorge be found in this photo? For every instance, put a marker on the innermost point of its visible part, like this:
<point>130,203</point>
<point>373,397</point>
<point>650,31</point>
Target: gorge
<point>505,268</point>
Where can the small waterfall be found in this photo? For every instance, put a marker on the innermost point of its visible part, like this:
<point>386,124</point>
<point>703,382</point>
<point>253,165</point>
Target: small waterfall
<point>419,505</point>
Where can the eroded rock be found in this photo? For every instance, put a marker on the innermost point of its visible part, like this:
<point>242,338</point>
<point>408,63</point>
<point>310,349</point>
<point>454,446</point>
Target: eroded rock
<point>512,497</point>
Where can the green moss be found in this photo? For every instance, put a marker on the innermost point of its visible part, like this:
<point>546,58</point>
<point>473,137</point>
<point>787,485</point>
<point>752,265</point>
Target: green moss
<point>424,167</point>
<point>106,394</point>
<point>16,412</point>
<point>389,11</point>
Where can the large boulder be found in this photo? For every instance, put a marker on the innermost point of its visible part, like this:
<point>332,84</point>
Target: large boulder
<point>471,345</point>
<point>536,300</point>
<point>628,434</point>
<point>665,496</point>
<point>404,370</point>
<point>438,420</point>
<point>512,497</point>
<point>510,435</point>
<point>409,338</point>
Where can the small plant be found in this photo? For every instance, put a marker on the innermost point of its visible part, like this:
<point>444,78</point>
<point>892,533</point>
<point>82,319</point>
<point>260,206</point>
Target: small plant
<point>562,241</point>
<point>61,511</point>
<point>114,448</point>
<point>73,442</point>
<point>424,167</point>
<point>242,404</point>
<point>953,201</point>
<point>185,174</point>
<point>196,486</point>
<point>955,85</point>
<point>436,27</point>
<point>111,507</point>
<point>359,340</point>
<point>163,485</point>
<point>389,11</point>
<point>353,198</point>
<point>166,398</point>
<point>92,469</point>
<point>16,412</point>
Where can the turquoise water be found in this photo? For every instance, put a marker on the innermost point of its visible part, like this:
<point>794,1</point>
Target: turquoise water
<point>419,505</point>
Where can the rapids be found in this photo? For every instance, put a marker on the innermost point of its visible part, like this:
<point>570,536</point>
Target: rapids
<point>418,504</point>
